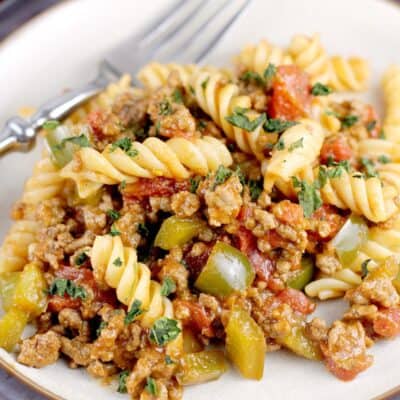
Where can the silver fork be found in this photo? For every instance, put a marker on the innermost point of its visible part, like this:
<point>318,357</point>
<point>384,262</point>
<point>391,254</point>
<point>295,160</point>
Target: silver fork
<point>185,33</point>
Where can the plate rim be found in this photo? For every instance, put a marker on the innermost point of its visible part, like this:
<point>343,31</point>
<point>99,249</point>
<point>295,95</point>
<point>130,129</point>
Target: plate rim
<point>9,367</point>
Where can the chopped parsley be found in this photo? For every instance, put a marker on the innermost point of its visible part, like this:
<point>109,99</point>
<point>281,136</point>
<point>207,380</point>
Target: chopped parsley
<point>51,124</point>
<point>221,175</point>
<point>194,183</point>
<point>113,214</point>
<point>371,125</point>
<point>123,375</point>
<point>191,90</point>
<point>364,268</point>
<point>308,196</point>
<point>205,83</point>
<point>143,230</point>
<point>255,188</point>
<point>165,108</point>
<point>168,286</point>
<point>151,386</point>
<point>168,360</point>
<point>320,90</point>
<point>114,231</point>
<point>369,167</point>
<point>240,120</point>
<point>125,144</point>
<point>123,185</point>
<point>251,76</point>
<point>383,159</point>
<point>280,145</point>
<point>134,312</point>
<point>117,262</point>
<point>297,144</point>
<point>102,325</point>
<point>81,141</point>
<point>62,287</point>
<point>164,330</point>
<point>349,120</point>
<point>202,125</point>
<point>177,96</point>
<point>382,134</point>
<point>278,125</point>
<point>269,73</point>
<point>81,258</point>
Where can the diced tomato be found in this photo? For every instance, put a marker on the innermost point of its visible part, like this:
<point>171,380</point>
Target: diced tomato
<point>288,213</point>
<point>291,98</point>
<point>297,300</point>
<point>199,319</point>
<point>275,239</point>
<point>336,148</point>
<point>346,374</point>
<point>159,186</point>
<point>96,120</point>
<point>195,263</point>
<point>330,215</point>
<point>246,242</point>
<point>387,323</point>
<point>58,303</point>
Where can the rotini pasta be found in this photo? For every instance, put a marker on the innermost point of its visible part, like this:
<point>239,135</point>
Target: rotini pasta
<point>257,58</point>
<point>178,158</point>
<point>309,54</point>
<point>374,148</point>
<point>117,267</point>
<point>14,251</point>
<point>301,145</point>
<point>366,197</point>
<point>391,93</point>
<point>333,286</point>
<point>349,74</point>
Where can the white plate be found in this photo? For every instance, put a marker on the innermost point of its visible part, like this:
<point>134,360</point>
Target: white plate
<point>59,50</point>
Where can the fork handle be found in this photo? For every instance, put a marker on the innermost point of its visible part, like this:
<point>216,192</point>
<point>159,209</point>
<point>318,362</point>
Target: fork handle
<point>19,133</point>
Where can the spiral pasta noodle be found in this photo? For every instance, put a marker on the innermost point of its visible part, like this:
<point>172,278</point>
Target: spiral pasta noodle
<point>257,58</point>
<point>14,251</point>
<point>333,286</point>
<point>301,145</point>
<point>374,148</point>
<point>45,183</point>
<point>365,197</point>
<point>176,158</point>
<point>391,93</point>
<point>349,74</point>
<point>117,267</point>
<point>309,54</point>
<point>219,99</point>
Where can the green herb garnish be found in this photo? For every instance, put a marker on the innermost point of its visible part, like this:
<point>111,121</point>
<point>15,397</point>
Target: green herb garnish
<point>134,312</point>
<point>320,89</point>
<point>177,96</point>
<point>117,262</point>
<point>164,330</point>
<point>194,183</point>
<point>297,144</point>
<point>51,124</point>
<point>240,120</point>
<point>165,108</point>
<point>151,386</point>
<point>114,231</point>
<point>123,375</point>
<point>269,73</point>
<point>255,188</point>
<point>364,268</point>
<point>308,196</point>
<point>61,287</point>
<point>349,120</point>
<point>168,286</point>
<point>278,125</point>
<point>81,258</point>
<point>113,214</point>
<point>383,159</point>
<point>102,325</point>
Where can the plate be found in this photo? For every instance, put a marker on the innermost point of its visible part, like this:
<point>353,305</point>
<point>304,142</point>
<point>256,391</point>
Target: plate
<point>59,49</point>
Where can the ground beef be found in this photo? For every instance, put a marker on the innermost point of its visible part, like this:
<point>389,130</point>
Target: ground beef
<point>130,110</point>
<point>71,319</point>
<point>128,224</point>
<point>328,262</point>
<point>78,351</point>
<point>184,204</point>
<point>224,201</point>
<point>50,212</point>
<point>101,370</point>
<point>40,350</point>
<point>317,329</point>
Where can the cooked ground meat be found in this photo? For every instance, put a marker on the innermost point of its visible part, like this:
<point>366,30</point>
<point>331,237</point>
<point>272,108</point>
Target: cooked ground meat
<point>40,350</point>
<point>101,370</point>
<point>77,351</point>
<point>51,212</point>
<point>184,204</point>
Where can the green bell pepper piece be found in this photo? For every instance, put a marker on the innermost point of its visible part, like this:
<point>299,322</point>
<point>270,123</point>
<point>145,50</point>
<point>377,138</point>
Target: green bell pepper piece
<point>176,231</point>
<point>8,282</point>
<point>227,270</point>
<point>61,152</point>
<point>304,275</point>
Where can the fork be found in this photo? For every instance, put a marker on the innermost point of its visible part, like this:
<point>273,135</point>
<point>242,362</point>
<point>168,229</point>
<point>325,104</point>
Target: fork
<point>186,32</point>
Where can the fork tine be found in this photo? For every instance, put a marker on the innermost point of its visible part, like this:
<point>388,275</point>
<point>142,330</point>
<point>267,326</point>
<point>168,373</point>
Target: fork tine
<point>203,33</point>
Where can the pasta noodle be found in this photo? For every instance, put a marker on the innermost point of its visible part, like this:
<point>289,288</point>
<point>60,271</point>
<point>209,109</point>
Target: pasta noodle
<point>257,58</point>
<point>374,148</point>
<point>333,286</point>
<point>14,251</point>
<point>117,267</point>
<point>363,196</point>
<point>178,158</point>
<point>301,147</point>
<point>391,92</point>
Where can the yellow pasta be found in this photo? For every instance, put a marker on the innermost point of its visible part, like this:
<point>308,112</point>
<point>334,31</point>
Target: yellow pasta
<point>301,145</point>
<point>333,286</point>
<point>45,183</point>
<point>309,54</point>
<point>391,93</point>
<point>374,148</point>
<point>14,251</point>
<point>258,57</point>
<point>175,158</point>
<point>350,74</point>
<point>117,267</point>
<point>363,196</point>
